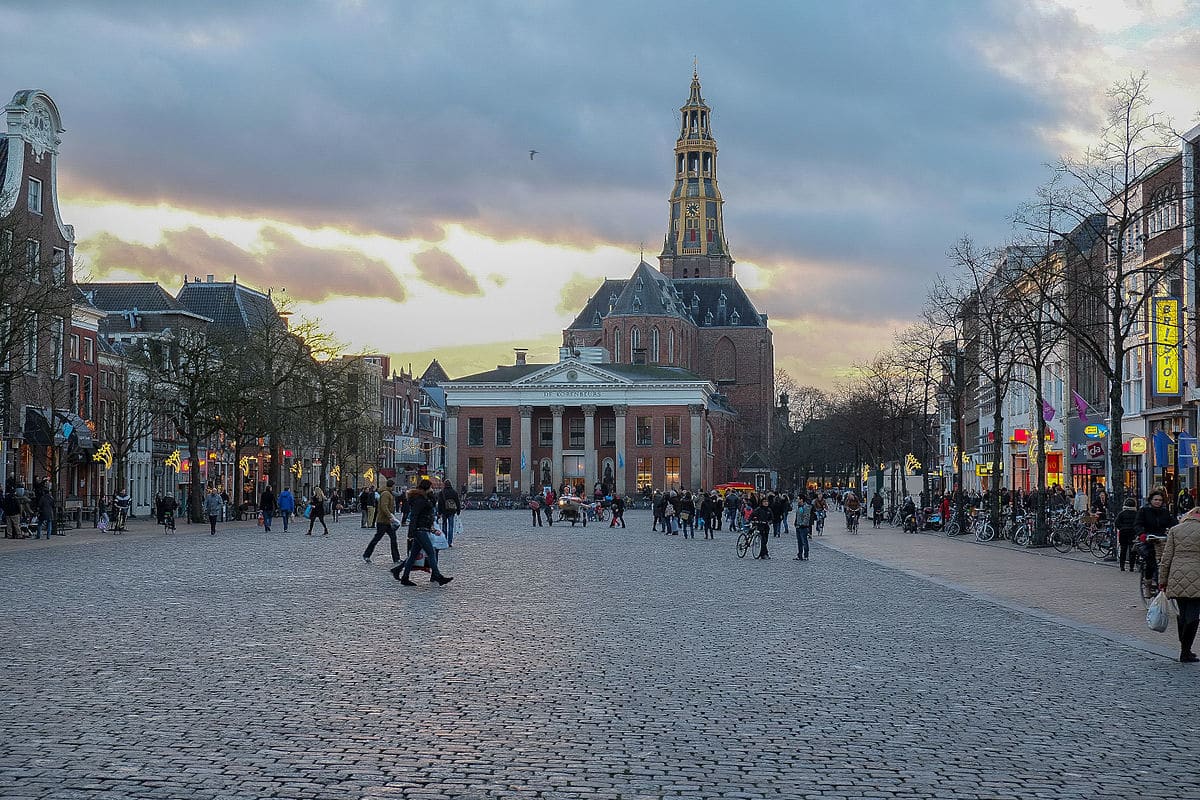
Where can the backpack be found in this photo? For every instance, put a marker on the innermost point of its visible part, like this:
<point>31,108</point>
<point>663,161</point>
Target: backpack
<point>451,505</point>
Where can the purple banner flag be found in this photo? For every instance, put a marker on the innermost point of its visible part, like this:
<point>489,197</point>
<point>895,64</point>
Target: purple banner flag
<point>1048,411</point>
<point>1080,406</point>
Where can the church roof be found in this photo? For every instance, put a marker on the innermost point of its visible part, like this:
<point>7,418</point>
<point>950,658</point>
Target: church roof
<point>648,292</point>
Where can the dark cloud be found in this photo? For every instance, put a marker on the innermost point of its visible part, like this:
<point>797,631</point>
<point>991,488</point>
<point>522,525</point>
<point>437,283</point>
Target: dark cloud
<point>438,268</point>
<point>859,133</point>
<point>576,292</point>
<point>280,263</point>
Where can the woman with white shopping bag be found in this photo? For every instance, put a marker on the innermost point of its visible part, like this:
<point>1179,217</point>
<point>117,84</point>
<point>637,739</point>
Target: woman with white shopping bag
<point>421,510</point>
<point>1179,578</point>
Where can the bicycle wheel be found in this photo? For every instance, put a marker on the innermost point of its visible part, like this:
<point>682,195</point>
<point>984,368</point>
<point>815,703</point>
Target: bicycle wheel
<point>1023,536</point>
<point>1062,540</point>
<point>984,532</point>
<point>1099,545</point>
<point>743,544</point>
<point>1148,590</point>
<point>951,528</point>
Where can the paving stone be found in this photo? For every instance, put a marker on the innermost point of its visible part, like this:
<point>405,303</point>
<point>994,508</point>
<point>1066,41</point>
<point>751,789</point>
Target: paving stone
<point>561,663</point>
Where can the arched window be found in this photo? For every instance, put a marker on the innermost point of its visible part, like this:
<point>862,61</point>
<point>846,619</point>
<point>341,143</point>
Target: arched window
<point>654,345</point>
<point>725,361</point>
<point>635,342</point>
<point>616,345</point>
<point>671,346</point>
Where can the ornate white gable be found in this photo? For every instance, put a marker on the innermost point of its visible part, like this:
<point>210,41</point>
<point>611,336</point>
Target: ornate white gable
<point>570,373</point>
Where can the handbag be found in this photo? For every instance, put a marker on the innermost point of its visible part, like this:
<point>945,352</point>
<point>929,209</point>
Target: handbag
<point>308,511</point>
<point>460,526</point>
<point>438,540</point>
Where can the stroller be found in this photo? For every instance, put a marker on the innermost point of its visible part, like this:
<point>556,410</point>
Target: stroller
<point>570,509</point>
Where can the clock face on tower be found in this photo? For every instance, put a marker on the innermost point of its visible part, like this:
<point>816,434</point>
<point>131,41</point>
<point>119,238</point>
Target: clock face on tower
<point>693,209</point>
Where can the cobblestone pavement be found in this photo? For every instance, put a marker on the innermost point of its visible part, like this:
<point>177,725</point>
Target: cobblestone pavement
<point>1074,587</point>
<point>561,663</point>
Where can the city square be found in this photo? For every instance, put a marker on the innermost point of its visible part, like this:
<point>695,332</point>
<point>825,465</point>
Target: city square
<point>315,315</point>
<point>563,662</point>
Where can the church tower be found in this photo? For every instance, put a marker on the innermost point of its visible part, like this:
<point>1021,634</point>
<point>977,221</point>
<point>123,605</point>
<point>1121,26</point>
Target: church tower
<point>695,245</point>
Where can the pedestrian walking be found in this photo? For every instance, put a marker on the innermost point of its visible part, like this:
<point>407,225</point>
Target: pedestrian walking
<point>548,505</point>
<point>1126,525</point>
<point>535,506</point>
<point>687,515</point>
<point>760,519</point>
<point>318,512</point>
<point>386,523</point>
<point>1179,577</point>
<point>448,510</point>
<point>366,504</point>
<point>287,506</point>
<point>46,512</point>
<point>267,506</point>
<point>212,509</point>
<point>618,512</point>
<point>804,520</point>
<point>421,516</point>
<point>876,509</point>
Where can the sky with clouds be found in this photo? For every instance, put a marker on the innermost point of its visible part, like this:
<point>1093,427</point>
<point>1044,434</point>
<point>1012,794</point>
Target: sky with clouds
<point>369,160</point>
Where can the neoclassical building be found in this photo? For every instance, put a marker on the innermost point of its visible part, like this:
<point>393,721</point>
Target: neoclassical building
<point>665,379</point>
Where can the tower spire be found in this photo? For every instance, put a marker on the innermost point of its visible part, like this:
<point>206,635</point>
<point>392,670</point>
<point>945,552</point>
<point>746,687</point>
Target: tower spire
<point>695,245</point>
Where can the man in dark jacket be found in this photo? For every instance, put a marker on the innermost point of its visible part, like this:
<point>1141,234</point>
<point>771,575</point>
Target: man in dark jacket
<point>421,511</point>
<point>760,519</point>
<point>268,506</point>
<point>46,515</point>
<point>448,508</point>
<point>366,504</point>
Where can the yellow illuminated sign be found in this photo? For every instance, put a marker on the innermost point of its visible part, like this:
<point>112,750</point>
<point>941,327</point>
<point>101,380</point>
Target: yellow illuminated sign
<point>1166,345</point>
<point>983,470</point>
<point>172,461</point>
<point>370,474</point>
<point>298,470</point>
<point>104,454</point>
<point>244,466</point>
<point>336,473</point>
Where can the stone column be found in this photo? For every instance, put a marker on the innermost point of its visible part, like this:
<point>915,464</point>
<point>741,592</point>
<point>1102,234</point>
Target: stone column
<point>622,461</point>
<point>591,473</point>
<point>697,446</point>
<point>452,446</point>
<point>525,460</point>
<point>556,452</point>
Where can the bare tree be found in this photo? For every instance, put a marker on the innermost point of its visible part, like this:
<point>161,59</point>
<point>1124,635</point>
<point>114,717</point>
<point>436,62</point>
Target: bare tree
<point>1096,200</point>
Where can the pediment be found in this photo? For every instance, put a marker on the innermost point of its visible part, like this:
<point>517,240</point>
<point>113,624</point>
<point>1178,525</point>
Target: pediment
<point>572,373</point>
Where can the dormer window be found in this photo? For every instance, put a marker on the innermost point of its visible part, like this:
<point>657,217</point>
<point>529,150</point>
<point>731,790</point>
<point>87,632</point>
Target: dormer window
<point>596,319</point>
<point>735,317</point>
<point>721,301</point>
<point>637,302</point>
<point>708,318</point>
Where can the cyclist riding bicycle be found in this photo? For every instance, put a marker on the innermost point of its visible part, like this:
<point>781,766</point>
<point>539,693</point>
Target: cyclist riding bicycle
<point>122,502</point>
<point>1153,521</point>
<point>852,506</point>
<point>169,504</point>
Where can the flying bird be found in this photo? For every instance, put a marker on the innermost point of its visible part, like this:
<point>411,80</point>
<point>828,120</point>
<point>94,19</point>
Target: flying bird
<point>532,153</point>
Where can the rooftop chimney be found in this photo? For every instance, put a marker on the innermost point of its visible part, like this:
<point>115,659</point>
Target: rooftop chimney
<point>520,351</point>
<point>208,278</point>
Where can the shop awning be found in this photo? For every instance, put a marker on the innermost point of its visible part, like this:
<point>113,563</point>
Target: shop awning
<point>74,430</point>
<point>40,428</point>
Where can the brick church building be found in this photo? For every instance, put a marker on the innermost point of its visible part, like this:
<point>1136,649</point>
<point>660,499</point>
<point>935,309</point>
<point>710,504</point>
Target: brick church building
<point>665,379</point>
